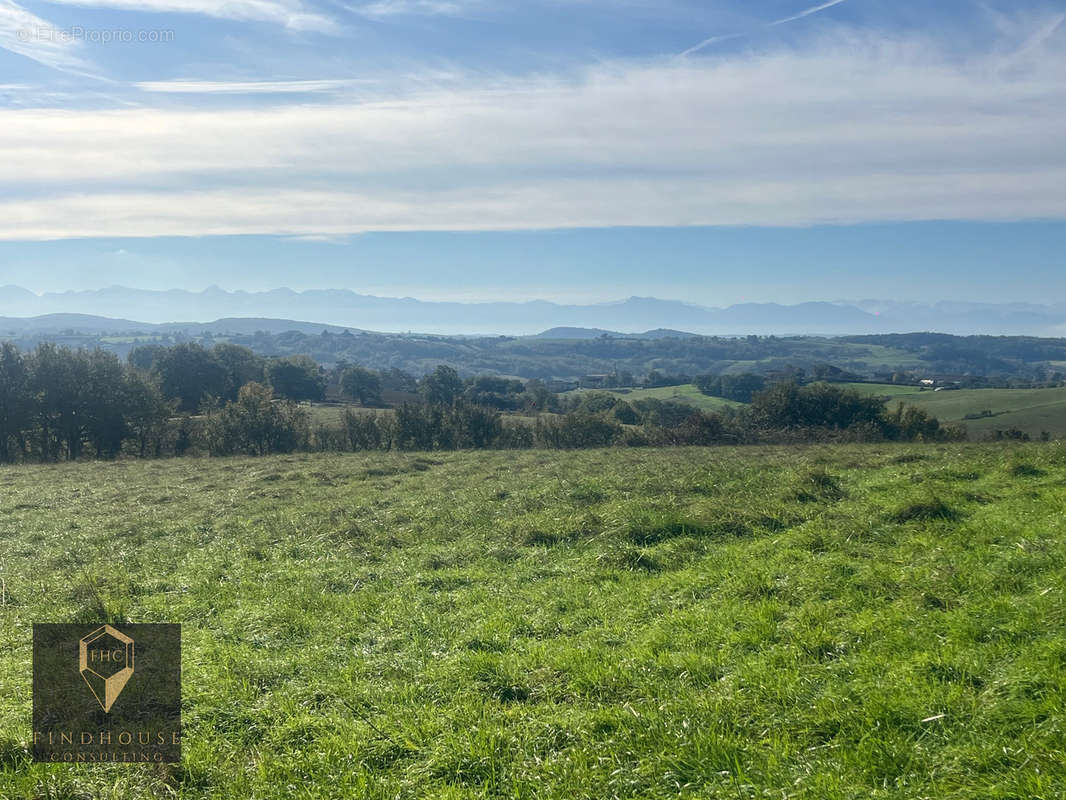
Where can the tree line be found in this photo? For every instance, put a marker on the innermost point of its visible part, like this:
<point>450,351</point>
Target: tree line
<point>60,404</point>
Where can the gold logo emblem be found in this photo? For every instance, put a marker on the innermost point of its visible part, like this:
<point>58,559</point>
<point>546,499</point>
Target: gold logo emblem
<point>105,660</point>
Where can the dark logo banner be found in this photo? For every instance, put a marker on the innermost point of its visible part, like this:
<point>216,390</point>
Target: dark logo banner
<point>107,693</point>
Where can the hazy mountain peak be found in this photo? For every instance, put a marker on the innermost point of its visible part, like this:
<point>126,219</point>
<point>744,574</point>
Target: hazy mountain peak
<point>12,294</point>
<point>345,308</point>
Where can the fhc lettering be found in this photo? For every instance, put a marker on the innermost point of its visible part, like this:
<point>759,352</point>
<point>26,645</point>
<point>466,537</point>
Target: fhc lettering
<point>106,656</point>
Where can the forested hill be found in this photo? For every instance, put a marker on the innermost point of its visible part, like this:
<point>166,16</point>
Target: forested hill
<point>1007,358</point>
<point>533,357</point>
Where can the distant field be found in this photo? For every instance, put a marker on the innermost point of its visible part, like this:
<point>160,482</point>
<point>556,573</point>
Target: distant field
<point>332,415</point>
<point>1030,410</point>
<point>860,358</point>
<point>681,394</point>
<point>138,339</point>
<point>808,622</point>
<point>885,389</point>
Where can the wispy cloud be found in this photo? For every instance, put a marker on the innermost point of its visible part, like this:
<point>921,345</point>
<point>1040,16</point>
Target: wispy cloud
<point>291,14</point>
<point>878,129</point>
<point>28,35</point>
<point>807,12</point>
<point>250,87</point>
<point>708,42</point>
<point>727,37</point>
<point>1035,41</point>
<point>395,8</point>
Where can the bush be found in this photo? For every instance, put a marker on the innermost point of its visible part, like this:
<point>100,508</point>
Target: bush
<point>577,430</point>
<point>257,425</point>
<point>364,431</point>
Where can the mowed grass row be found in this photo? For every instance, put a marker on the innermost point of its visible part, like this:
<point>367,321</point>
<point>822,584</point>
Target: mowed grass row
<point>822,622</point>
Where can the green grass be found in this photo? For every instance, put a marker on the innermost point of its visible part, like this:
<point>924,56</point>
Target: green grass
<point>819,622</point>
<point>331,415</point>
<point>892,390</point>
<point>1029,410</point>
<point>688,394</point>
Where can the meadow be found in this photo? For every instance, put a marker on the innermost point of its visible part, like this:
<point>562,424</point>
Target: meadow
<point>1032,411</point>
<point>686,393</point>
<point>1028,410</point>
<point>860,621</point>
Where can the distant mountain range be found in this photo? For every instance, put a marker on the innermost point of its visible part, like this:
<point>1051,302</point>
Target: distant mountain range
<point>53,324</point>
<point>341,308</point>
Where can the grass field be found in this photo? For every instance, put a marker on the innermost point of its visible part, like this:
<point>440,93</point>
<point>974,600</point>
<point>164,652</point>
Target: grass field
<point>822,622</point>
<point>1029,410</point>
<point>680,394</point>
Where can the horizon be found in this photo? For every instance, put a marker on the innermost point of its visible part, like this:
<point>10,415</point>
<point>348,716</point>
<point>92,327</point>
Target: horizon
<point>635,315</point>
<point>215,288</point>
<point>964,261</point>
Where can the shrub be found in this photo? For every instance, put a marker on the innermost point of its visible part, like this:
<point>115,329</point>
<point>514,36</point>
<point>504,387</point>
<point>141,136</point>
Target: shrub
<point>577,430</point>
<point>363,431</point>
<point>257,425</point>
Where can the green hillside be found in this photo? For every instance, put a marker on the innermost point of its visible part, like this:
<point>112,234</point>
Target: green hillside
<point>1029,410</point>
<point>680,394</point>
<point>804,622</point>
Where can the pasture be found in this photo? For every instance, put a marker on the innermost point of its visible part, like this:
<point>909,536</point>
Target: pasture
<point>1029,410</point>
<point>686,393</point>
<point>867,621</point>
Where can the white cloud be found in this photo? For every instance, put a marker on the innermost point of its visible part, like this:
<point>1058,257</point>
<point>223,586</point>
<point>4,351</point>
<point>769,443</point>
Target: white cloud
<point>852,130</point>
<point>290,13</point>
<point>28,35</point>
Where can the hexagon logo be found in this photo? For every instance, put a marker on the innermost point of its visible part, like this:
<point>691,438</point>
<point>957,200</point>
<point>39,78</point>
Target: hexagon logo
<point>105,660</point>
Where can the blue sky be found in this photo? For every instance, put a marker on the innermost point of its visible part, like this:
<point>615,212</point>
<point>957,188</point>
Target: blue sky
<point>565,149</point>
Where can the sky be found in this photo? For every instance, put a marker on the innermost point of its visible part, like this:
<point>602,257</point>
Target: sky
<point>574,150</point>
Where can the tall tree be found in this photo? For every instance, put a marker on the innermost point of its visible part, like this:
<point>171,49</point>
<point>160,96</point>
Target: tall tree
<point>442,386</point>
<point>14,401</point>
<point>104,403</point>
<point>296,378</point>
<point>362,385</point>
<point>58,380</point>
<point>147,412</point>
<point>189,373</point>
<point>241,366</point>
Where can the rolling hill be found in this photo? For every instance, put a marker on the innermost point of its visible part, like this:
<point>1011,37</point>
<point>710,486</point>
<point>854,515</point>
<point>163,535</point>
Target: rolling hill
<point>1030,410</point>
